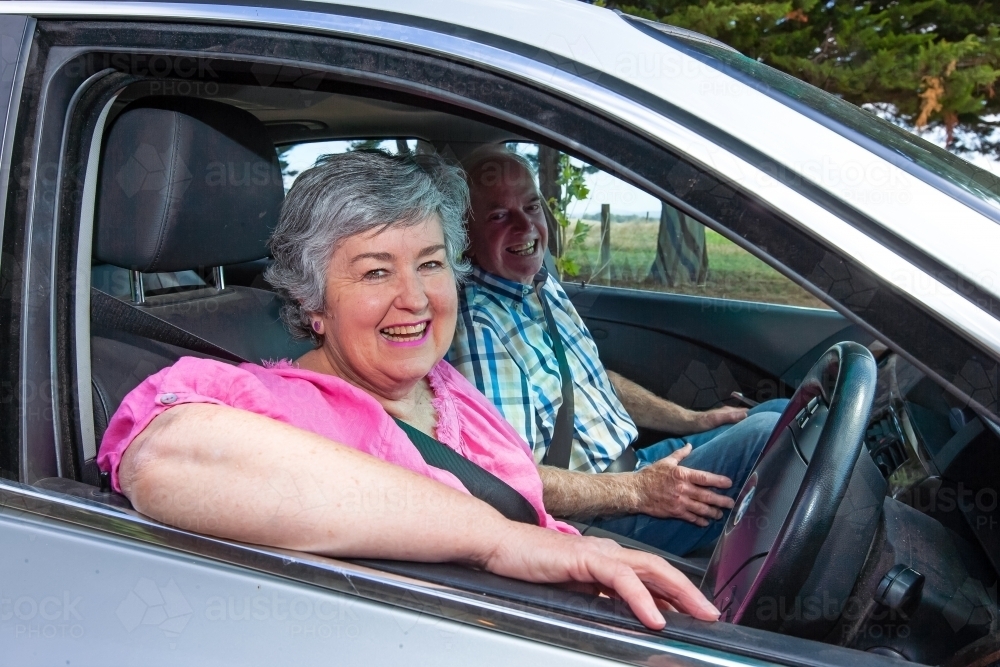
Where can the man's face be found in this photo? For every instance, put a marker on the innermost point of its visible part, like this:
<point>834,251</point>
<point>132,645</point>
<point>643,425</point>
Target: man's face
<point>507,229</point>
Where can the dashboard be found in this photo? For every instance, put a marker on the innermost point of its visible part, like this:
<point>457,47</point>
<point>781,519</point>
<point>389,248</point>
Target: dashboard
<point>937,454</point>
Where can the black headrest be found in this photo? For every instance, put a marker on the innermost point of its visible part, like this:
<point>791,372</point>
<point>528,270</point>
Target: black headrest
<point>186,183</point>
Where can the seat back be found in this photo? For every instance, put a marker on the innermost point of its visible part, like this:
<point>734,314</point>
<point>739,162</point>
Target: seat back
<point>185,184</point>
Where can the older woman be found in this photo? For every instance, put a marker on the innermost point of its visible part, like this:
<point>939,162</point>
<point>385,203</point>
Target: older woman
<point>323,454</point>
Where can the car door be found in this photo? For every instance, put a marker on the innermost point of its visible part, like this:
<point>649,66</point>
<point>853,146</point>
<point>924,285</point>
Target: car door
<point>420,607</point>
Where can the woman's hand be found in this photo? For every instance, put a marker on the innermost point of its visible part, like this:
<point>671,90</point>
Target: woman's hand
<point>640,579</point>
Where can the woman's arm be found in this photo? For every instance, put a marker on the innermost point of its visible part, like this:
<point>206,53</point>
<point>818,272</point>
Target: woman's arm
<point>226,472</point>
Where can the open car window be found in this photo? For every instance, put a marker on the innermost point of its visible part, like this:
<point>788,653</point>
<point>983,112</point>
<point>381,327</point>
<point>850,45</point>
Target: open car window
<point>612,233</point>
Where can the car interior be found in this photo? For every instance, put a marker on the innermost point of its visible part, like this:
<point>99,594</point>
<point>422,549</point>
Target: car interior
<point>911,564</point>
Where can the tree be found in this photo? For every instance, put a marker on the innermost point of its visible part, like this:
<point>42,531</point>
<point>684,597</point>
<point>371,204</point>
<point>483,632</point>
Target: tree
<point>681,250</point>
<point>570,186</point>
<point>921,63</point>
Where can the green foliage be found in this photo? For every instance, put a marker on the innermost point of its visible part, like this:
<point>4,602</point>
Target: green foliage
<point>925,62</point>
<point>365,144</point>
<point>572,234</point>
<point>283,160</point>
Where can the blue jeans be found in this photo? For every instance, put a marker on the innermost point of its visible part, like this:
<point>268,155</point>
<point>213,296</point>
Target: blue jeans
<point>729,450</point>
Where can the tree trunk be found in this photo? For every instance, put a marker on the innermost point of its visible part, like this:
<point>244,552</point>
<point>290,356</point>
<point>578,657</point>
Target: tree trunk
<point>548,184</point>
<point>681,253</point>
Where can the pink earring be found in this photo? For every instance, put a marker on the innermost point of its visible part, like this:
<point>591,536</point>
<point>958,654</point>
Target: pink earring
<point>316,326</point>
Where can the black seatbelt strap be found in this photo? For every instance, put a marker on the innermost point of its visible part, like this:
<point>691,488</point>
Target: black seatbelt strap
<point>117,314</point>
<point>561,443</point>
<point>479,482</point>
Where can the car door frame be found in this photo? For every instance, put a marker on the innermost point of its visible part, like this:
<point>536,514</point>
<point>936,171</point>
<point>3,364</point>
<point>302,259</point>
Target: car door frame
<point>15,37</point>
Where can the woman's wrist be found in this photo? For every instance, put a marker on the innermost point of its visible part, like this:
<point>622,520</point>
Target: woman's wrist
<point>487,540</point>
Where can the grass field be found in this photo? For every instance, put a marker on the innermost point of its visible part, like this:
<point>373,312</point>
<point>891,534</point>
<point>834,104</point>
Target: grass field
<point>733,273</point>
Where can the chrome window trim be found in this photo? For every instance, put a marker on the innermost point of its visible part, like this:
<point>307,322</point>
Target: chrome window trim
<point>84,248</point>
<point>675,31</point>
<point>551,627</point>
<point>951,307</point>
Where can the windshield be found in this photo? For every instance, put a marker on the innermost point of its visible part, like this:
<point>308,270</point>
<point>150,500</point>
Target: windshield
<point>964,181</point>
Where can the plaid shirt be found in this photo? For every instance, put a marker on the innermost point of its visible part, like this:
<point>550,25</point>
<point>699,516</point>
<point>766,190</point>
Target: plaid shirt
<point>503,347</point>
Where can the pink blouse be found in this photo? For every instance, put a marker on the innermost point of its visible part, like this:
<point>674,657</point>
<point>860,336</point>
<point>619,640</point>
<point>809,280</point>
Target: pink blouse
<point>335,409</point>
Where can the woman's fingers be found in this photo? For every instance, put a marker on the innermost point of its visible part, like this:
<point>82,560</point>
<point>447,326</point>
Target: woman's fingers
<point>623,580</point>
<point>668,583</point>
<point>660,581</point>
<point>544,556</point>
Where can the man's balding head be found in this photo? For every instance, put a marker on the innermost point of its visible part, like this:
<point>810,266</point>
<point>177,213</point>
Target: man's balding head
<point>507,228</point>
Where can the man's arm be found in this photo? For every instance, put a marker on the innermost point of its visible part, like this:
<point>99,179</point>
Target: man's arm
<point>238,475</point>
<point>650,411</point>
<point>663,489</point>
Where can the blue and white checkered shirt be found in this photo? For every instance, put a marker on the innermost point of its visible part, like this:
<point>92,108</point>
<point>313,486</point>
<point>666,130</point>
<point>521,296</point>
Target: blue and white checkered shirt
<point>503,347</point>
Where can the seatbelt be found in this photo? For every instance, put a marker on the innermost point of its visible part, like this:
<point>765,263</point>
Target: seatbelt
<point>561,443</point>
<point>480,482</point>
<point>123,316</point>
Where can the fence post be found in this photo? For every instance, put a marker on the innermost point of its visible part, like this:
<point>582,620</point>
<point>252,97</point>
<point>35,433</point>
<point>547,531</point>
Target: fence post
<point>604,267</point>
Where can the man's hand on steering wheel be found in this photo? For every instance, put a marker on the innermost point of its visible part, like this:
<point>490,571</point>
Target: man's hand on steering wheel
<point>668,490</point>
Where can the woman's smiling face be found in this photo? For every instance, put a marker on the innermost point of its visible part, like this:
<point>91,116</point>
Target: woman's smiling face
<point>391,305</point>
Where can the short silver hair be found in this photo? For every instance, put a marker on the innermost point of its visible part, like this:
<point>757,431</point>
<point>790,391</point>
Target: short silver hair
<point>353,193</point>
<point>480,160</point>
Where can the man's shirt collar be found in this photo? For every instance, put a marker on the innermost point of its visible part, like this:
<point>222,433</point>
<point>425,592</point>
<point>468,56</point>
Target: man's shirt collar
<point>510,289</point>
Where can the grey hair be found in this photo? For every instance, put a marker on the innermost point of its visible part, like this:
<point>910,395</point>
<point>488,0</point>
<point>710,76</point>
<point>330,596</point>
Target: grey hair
<point>354,193</point>
<point>478,160</point>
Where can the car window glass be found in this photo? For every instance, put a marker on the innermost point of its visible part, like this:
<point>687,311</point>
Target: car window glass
<point>612,233</point>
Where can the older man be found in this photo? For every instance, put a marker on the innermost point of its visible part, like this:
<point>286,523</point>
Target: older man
<point>521,342</point>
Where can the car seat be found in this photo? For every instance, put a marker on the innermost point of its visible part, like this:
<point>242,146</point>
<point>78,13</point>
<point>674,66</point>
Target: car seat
<point>185,185</point>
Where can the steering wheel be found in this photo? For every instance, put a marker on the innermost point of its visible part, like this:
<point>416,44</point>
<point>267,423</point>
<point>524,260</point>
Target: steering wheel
<point>798,535</point>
